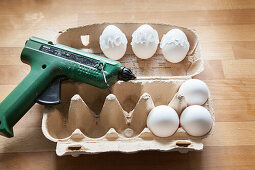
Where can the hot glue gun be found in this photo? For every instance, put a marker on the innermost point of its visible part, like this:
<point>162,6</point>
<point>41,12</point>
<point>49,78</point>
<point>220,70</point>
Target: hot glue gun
<point>50,63</point>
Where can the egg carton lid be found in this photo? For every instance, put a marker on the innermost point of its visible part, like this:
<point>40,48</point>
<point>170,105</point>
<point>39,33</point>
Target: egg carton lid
<point>87,38</point>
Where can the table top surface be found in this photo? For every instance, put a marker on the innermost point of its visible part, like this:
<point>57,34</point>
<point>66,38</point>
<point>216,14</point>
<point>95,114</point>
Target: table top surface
<point>227,34</point>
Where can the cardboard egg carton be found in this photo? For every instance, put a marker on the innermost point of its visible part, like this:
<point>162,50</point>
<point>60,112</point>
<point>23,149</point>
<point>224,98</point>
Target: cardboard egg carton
<point>92,120</point>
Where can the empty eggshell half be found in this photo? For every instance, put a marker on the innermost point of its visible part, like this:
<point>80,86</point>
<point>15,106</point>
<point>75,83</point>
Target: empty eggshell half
<point>113,42</point>
<point>174,45</point>
<point>195,92</point>
<point>196,120</point>
<point>145,41</point>
<point>163,121</point>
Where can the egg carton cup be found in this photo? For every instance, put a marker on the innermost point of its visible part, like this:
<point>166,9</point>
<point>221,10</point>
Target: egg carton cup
<point>92,120</point>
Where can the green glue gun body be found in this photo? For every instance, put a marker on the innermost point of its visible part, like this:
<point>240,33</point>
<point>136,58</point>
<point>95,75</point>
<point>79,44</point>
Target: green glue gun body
<point>49,64</point>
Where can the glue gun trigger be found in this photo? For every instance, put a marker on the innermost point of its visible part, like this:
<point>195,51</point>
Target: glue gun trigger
<point>51,96</point>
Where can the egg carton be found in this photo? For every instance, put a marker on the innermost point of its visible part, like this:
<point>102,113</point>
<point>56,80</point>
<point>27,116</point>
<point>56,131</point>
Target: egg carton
<point>92,120</point>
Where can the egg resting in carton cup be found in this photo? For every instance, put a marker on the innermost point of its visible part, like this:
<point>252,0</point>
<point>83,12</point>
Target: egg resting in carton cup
<point>144,41</point>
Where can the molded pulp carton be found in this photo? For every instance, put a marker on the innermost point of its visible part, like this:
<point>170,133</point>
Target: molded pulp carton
<point>90,120</point>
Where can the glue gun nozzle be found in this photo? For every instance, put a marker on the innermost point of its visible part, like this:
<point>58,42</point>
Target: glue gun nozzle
<point>126,74</point>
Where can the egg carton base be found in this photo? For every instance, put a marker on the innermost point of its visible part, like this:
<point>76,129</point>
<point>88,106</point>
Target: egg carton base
<point>81,131</point>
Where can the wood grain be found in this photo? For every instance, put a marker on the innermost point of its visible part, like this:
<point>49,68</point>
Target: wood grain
<point>244,50</point>
<point>226,29</point>
<point>239,68</point>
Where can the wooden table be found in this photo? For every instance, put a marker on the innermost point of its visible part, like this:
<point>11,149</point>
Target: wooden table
<point>227,32</point>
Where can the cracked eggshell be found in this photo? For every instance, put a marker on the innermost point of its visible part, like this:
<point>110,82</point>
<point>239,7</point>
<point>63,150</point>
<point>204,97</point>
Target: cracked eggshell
<point>145,41</point>
<point>174,45</point>
<point>196,120</point>
<point>195,92</point>
<point>113,42</point>
<point>163,121</point>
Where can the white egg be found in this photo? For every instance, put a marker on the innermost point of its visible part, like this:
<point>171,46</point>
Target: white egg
<point>163,121</point>
<point>145,41</point>
<point>113,42</point>
<point>196,120</point>
<point>195,92</point>
<point>174,45</point>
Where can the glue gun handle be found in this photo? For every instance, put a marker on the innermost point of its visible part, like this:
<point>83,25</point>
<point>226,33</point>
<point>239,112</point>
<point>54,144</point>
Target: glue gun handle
<point>23,97</point>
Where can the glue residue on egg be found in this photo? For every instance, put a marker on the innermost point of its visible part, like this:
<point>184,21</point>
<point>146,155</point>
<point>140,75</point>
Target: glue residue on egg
<point>174,45</point>
<point>194,91</point>
<point>196,120</point>
<point>113,42</point>
<point>145,41</point>
<point>163,121</point>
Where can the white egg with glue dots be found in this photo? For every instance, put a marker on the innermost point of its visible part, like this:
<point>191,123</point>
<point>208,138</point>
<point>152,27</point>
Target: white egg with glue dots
<point>174,45</point>
<point>145,41</point>
<point>194,91</point>
<point>113,42</point>
<point>163,121</point>
<point>196,120</point>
